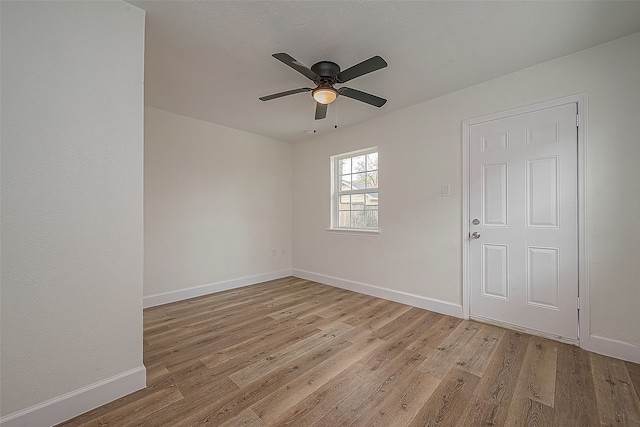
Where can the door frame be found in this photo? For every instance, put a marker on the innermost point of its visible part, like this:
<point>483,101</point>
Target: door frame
<point>581,100</point>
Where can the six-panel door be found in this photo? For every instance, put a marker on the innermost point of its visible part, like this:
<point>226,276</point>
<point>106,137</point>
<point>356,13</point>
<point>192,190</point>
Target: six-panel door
<point>523,194</point>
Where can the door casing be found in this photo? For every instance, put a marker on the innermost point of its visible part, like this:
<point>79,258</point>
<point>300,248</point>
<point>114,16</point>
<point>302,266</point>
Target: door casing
<point>583,281</point>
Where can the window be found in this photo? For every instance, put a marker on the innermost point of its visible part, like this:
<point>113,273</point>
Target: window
<point>355,190</point>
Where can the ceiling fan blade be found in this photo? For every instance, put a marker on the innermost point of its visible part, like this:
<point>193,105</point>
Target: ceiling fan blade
<point>296,65</point>
<point>281,94</point>
<point>376,101</point>
<point>321,111</point>
<point>365,67</point>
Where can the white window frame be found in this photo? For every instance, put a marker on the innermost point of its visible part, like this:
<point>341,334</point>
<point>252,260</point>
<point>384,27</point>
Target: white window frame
<point>336,192</point>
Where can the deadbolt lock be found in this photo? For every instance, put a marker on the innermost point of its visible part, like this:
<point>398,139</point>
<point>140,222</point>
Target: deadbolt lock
<point>476,221</point>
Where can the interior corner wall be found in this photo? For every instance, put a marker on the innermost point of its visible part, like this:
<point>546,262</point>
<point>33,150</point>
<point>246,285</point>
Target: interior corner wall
<point>218,208</point>
<point>71,184</point>
<point>419,251</point>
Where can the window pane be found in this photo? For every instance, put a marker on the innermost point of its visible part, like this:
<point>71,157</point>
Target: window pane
<point>344,219</point>
<point>345,183</point>
<point>357,219</point>
<point>359,180</point>
<point>372,219</point>
<point>372,161</point>
<point>359,164</point>
<point>345,166</point>
<point>372,180</point>
<point>357,201</point>
<point>372,200</point>
<point>345,202</point>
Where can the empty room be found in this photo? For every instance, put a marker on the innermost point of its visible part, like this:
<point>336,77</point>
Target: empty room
<point>319,213</point>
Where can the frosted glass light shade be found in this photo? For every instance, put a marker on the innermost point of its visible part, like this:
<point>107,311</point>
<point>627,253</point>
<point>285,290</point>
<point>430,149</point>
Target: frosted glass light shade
<point>324,95</point>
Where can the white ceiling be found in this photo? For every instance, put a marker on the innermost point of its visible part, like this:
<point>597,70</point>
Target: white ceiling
<point>211,60</point>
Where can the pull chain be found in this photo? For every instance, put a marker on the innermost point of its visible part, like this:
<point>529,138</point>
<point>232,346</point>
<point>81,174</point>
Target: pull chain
<point>314,127</point>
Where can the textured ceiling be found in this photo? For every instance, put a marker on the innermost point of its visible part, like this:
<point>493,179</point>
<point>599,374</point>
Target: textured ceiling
<point>211,60</point>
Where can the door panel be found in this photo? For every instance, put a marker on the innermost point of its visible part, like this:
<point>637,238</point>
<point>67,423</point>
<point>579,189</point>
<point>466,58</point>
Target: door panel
<point>543,287</point>
<point>542,192</point>
<point>523,191</point>
<point>494,194</point>
<point>495,266</point>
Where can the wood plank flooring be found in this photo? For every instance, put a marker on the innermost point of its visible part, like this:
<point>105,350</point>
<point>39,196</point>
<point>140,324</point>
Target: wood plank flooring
<point>291,352</point>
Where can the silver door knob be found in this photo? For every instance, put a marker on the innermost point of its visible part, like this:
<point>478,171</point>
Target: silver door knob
<point>475,235</point>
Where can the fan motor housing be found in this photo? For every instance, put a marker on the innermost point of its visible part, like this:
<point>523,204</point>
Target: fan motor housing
<point>326,69</point>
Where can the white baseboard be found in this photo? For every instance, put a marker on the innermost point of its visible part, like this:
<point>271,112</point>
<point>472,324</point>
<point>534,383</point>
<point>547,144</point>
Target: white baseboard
<point>431,304</point>
<point>197,291</point>
<point>613,348</point>
<point>69,405</point>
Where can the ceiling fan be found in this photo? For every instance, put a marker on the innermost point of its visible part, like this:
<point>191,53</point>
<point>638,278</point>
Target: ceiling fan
<point>325,74</point>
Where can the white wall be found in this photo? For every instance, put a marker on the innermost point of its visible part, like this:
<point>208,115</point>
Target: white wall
<point>419,251</point>
<point>72,242</point>
<point>217,202</point>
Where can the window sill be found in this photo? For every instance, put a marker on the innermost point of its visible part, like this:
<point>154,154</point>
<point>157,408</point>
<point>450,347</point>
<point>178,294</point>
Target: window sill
<point>354,231</point>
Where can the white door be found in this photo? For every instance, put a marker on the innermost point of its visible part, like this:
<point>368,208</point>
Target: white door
<point>523,206</point>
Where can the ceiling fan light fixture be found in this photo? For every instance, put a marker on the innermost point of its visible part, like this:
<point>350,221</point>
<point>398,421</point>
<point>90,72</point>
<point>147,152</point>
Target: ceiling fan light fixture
<point>324,95</point>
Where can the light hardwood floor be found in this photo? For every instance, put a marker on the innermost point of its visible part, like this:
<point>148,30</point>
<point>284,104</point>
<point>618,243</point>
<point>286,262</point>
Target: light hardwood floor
<point>291,352</point>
